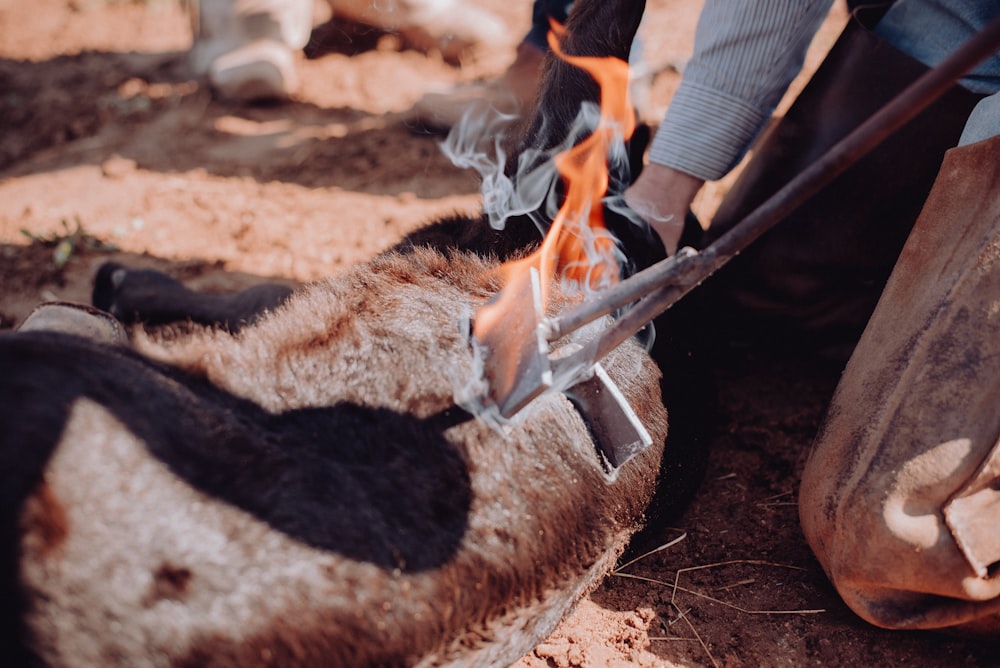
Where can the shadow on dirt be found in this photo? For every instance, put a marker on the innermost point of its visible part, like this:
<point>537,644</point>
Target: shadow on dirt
<point>767,584</point>
<point>149,108</point>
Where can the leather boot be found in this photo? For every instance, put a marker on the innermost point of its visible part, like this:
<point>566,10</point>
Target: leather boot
<point>817,276</point>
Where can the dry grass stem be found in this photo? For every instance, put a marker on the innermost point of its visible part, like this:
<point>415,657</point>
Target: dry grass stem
<point>676,587</point>
<point>748,581</point>
<point>777,500</point>
<point>682,615</point>
<point>670,543</point>
<point>701,642</point>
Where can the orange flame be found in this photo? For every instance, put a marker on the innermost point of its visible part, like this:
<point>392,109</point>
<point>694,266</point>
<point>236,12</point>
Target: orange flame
<point>577,244</point>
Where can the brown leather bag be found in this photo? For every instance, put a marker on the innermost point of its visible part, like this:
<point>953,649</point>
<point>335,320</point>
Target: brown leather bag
<point>900,498</point>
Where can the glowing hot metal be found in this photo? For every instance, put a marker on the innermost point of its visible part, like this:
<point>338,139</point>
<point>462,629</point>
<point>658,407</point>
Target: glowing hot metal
<point>577,249</point>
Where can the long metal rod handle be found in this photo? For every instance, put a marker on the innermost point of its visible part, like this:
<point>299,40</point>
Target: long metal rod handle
<point>623,293</point>
<point>914,99</point>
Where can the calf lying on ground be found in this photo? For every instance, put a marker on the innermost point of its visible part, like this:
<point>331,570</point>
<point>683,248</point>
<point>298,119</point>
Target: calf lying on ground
<point>304,491</point>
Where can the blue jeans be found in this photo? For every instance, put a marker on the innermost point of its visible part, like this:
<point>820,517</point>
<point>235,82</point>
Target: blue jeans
<point>930,30</point>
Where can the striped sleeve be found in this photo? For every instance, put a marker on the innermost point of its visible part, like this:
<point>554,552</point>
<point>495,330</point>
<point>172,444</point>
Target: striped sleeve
<point>746,54</point>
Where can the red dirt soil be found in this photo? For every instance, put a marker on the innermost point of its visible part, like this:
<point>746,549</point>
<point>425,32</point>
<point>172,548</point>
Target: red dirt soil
<point>109,145</point>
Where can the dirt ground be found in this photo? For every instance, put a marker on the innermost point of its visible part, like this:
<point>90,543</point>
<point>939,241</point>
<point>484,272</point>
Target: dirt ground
<point>109,149</point>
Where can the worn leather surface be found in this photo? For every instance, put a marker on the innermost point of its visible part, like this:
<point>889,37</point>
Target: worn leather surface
<point>972,516</point>
<point>899,497</point>
<point>821,270</point>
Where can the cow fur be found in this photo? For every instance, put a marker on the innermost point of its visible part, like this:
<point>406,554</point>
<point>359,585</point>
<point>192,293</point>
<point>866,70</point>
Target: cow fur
<point>299,487</point>
<point>304,492</point>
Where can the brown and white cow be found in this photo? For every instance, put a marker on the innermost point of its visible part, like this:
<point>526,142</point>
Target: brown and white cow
<point>305,492</point>
<point>300,488</point>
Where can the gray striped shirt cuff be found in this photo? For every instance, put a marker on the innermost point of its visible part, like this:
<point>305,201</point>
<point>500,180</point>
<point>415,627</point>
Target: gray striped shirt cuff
<point>705,131</point>
<point>746,52</point>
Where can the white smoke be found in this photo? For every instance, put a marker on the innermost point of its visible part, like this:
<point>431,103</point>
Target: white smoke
<point>477,142</point>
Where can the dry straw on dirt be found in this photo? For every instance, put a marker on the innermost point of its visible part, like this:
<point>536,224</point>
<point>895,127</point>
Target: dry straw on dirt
<point>102,126</point>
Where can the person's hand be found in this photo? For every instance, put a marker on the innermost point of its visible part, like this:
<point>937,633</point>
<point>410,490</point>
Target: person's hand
<point>663,196</point>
